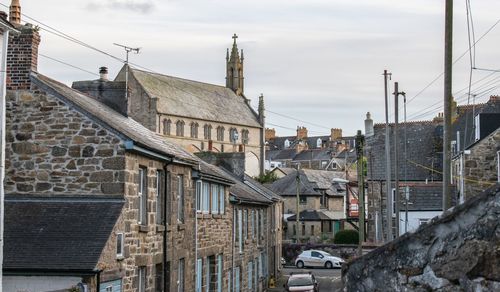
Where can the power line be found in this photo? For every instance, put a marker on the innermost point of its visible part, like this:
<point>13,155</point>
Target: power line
<point>461,56</point>
<point>302,121</point>
<point>68,64</point>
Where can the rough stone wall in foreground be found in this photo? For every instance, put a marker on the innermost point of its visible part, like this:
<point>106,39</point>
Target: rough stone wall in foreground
<point>459,251</point>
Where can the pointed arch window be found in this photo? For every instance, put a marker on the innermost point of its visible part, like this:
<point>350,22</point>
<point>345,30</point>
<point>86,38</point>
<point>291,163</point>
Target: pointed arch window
<point>244,136</point>
<point>207,132</point>
<point>233,135</point>
<point>179,128</point>
<point>194,130</point>
<point>220,133</point>
<point>167,125</point>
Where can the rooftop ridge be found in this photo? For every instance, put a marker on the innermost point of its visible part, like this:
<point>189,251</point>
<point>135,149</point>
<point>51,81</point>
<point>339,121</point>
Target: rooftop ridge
<point>180,78</point>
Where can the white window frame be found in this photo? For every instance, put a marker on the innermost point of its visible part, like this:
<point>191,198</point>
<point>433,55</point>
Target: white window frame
<point>423,221</point>
<point>142,194</point>
<point>240,231</point>
<point>199,274</point>
<point>180,275</point>
<point>393,202</point>
<point>222,199</point>
<point>180,199</point>
<point>253,224</point>
<point>477,131</point>
<point>245,224</point>
<point>142,279</point>
<point>237,287</point>
<point>214,188</point>
<point>199,198</point>
<point>220,263</point>
<point>205,198</point>
<point>109,288</point>
<point>122,236</point>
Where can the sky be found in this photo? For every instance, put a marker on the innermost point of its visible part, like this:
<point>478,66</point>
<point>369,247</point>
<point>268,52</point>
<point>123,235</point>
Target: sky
<point>317,61</point>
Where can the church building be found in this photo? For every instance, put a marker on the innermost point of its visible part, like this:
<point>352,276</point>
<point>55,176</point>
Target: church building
<point>196,115</point>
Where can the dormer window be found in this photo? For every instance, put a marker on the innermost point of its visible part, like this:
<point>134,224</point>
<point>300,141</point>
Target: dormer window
<point>319,143</point>
<point>287,143</point>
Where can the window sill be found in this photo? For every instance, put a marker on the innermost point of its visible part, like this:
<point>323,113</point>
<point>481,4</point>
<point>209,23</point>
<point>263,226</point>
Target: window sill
<point>160,228</point>
<point>181,226</point>
<point>143,228</point>
<point>120,258</point>
<point>217,216</point>
<point>203,216</point>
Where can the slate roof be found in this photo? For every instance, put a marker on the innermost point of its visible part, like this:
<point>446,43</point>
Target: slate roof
<point>287,186</point>
<point>124,126</point>
<point>286,154</point>
<point>310,215</point>
<point>57,234</point>
<point>465,116</point>
<point>424,146</point>
<point>188,98</point>
<point>247,193</point>
<point>263,190</point>
<point>312,182</point>
<point>313,154</point>
<point>425,198</point>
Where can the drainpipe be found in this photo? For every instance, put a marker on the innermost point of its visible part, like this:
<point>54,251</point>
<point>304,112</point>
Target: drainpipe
<point>165,237</point>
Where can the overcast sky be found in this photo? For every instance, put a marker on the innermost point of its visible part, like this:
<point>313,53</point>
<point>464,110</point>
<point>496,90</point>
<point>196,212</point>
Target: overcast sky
<point>318,61</point>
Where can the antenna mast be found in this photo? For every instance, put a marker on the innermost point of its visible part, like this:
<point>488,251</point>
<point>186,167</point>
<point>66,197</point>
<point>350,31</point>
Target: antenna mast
<point>127,51</point>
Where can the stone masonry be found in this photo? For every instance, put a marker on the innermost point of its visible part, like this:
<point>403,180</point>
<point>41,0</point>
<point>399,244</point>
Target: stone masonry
<point>481,165</point>
<point>457,251</point>
<point>52,149</point>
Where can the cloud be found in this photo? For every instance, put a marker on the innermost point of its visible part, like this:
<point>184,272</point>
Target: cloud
<point>141,6</point>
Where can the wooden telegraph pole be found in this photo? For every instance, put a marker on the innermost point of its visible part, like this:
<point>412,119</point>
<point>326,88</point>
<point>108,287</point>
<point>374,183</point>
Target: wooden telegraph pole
<point>448,39</point>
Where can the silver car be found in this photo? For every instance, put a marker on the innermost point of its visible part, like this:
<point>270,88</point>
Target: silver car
<point>318,258</point>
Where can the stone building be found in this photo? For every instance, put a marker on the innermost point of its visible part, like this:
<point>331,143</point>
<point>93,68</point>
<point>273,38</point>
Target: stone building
<point>420,165</point>
<point>94,198</point>
<point>317,152</point>
<point>323,203</point>
<point>196,115</point>
<point>479,165</point>
<point>257,227</point>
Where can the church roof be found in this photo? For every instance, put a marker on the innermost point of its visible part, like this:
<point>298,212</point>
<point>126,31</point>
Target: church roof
<point>193,99</point>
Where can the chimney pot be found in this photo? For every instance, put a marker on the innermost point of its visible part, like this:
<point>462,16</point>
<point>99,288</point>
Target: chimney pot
<point>103,72</point>
<point>3,15</point>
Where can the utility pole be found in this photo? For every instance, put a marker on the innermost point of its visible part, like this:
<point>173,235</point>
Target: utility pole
<point>360,141</point>
<point>407,189</point>
<point>127,51</point>
<point>297,179</point>
<point>397,195</point>
<point>388,161</point>
<point>448,45</point>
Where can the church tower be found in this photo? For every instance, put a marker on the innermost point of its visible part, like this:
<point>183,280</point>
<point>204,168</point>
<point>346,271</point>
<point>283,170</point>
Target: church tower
<point>234,69</point>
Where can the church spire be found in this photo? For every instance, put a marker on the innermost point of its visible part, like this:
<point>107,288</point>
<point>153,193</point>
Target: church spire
<point>234,69</point>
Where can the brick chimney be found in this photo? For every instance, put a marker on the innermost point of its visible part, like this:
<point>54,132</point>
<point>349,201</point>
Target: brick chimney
<point>270,134</point>
<point>335,134</point>
<point>301,133</point>
<point>22,52</point>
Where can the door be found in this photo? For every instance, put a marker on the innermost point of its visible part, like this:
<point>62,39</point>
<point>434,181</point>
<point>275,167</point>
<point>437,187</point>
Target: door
<point>316,259</point>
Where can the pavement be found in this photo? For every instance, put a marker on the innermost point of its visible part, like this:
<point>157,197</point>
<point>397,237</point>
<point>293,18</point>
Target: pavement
<point>329,280</point>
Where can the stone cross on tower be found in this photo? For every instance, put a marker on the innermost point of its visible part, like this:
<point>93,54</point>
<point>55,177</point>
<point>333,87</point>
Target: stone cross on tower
<point>234,69</point>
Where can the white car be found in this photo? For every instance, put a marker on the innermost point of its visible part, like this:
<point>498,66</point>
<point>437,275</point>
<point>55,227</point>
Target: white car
<point>318,258</point>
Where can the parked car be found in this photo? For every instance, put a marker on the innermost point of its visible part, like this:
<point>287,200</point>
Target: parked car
<point>302,283</point>
<point>318,258</point>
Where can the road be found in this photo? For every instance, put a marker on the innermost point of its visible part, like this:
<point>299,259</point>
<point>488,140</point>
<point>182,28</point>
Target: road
<point>329,279</point>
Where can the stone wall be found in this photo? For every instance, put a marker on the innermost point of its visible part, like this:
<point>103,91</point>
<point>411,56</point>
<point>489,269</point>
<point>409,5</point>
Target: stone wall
<point>455,252</point>
<point>482,164</point>
<point>53,149</point>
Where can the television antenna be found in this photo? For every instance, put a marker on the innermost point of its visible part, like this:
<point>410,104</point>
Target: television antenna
<point>128,50</point>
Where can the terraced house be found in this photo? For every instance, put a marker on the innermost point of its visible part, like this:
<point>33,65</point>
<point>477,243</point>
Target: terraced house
<point>95,199</point>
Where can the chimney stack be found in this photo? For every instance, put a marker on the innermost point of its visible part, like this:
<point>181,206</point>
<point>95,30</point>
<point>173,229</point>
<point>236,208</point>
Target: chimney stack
<point>15,13</point>
<point>103,72</point>
<point>335,134</point>
<point>270,134</point>
<point>301,133</point>
<point>368,125</point>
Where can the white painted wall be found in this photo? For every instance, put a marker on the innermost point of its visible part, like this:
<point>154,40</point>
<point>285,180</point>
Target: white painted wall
<point>38,283</point>
<point>414,219</point>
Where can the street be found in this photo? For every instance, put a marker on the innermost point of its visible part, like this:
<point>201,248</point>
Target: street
<point>329,279</point>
